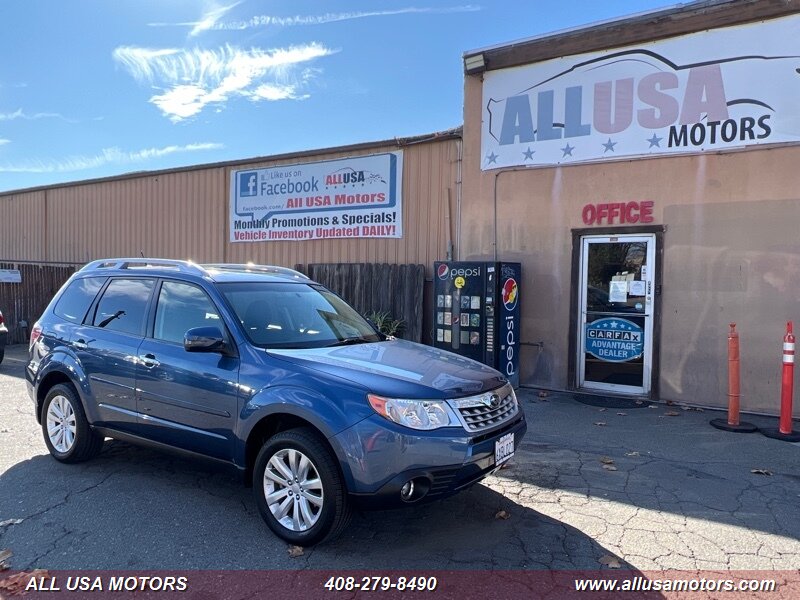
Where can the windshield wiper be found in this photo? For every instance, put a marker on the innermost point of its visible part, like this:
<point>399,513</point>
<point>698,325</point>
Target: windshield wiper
<point>349,342</point>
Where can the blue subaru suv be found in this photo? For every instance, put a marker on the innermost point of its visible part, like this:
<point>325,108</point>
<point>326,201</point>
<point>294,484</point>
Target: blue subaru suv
<point>262,369</point>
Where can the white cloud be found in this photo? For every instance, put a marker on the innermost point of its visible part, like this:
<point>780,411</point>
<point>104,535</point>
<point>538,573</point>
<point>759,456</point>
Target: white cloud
<point>189,80</point>
<point>4,141</point>
<point>210,18</point>
<point>268,20</point>
<point>207,21</point>
<point>20,114</point>
<point>105,157</point>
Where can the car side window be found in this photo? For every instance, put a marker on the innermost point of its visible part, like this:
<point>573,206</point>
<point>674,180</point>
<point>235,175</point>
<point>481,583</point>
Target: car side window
<point>181,307</point>
<point>77,298</point>
<point>123,305</point>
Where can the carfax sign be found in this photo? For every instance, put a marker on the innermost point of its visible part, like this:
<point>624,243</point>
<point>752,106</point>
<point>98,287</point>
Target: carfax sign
<point>708,91</point>
<point>348,198</point>
<point>614,340</point>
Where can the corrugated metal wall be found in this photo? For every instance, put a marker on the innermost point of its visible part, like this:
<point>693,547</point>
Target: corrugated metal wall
<point>175,215</point>
<point>184,214</point>
<point>22,226</point>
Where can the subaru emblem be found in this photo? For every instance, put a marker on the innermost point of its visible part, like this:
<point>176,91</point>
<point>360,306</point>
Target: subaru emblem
<point>490,400</point>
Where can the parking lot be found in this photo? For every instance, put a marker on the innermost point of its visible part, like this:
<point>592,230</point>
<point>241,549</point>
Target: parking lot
<point>648,487</point>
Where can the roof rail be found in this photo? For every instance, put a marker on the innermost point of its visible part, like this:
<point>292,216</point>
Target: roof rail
<point>253,268</point>
<point>184,266</point>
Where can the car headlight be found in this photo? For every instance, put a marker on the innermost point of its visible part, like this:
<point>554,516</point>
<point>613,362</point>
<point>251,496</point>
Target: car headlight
<point>416,414</point>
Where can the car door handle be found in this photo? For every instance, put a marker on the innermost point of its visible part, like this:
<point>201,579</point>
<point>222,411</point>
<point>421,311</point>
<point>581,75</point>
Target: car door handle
<point>80,344</point>
<point>148,360</point>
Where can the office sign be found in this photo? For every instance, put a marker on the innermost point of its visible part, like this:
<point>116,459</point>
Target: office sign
<point>708,91</point>
<point>358,197</point>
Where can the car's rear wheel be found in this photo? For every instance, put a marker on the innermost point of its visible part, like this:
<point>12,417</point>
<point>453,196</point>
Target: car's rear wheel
<point>298,488</point>
<point>67,433</point>
<point>2,354</point>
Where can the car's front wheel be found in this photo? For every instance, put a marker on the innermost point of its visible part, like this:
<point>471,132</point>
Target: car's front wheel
<point>298,488</point>
<point>67,433</point>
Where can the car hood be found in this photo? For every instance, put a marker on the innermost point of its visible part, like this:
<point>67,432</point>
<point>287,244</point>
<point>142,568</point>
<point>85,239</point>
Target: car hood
<point>397,368</point>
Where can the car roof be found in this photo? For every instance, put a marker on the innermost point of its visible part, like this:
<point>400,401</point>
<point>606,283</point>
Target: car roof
<point>218,273</point>
<point>228,276</point>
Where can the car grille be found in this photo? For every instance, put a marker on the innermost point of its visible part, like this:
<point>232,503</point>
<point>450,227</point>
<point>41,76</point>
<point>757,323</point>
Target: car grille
<point>481,413</point>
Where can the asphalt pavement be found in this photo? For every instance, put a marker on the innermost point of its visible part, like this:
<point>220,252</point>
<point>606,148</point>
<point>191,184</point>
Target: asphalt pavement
<point>648,488</point>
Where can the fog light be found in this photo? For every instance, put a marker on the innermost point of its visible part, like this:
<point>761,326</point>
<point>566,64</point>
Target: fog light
<point>407,490</point>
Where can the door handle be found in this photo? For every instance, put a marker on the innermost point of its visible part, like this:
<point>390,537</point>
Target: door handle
<point>148,360</point>
<point>80,344</point>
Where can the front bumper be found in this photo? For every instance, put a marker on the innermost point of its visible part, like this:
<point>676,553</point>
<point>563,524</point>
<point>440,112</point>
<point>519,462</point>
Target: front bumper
<point>383,457</point>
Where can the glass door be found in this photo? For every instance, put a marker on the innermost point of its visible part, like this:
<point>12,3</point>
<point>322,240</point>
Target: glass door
<point>615,333</point>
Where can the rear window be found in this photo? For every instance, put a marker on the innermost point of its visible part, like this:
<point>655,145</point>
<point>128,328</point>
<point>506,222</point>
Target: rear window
<point>77,298</point>
<point>123,305</point>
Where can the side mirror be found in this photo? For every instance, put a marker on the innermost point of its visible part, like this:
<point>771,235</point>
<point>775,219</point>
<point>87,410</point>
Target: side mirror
<point>204,339</point>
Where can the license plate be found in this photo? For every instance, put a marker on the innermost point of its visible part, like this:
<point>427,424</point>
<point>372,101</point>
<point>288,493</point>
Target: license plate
<point>504,448</point>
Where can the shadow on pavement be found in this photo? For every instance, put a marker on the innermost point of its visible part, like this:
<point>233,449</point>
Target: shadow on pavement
<point>664,459</point>
<point>13,365</point>
<point>132,508</point>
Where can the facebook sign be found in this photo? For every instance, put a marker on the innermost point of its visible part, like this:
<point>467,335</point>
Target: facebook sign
<point>248,183</point>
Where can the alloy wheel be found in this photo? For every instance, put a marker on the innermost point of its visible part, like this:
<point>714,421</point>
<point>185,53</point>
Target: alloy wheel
<point>61,424</point>
<point>293,490</point>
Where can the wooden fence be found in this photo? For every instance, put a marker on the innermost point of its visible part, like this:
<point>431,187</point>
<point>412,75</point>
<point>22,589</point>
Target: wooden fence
<point>26,301</point>
<point>396,289</point>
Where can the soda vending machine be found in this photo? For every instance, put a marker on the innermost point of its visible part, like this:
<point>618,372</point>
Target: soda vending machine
<point>476,312</point>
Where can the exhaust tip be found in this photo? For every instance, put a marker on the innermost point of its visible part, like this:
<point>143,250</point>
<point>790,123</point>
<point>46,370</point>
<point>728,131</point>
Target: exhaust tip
<point>407,491</point>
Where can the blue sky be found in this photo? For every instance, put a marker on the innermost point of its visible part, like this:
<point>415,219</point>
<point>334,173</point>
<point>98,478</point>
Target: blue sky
<point>92,88</point>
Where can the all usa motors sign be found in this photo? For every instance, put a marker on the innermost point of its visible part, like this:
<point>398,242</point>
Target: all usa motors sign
<point>713,90</point>
<point>346,198</point>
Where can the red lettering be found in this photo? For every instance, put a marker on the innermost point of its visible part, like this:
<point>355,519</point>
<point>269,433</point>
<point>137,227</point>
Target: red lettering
<point>630,215</point>
<point>589,214</point>
<point>627,212</point>
<point>602,211</point>
<point>646,211</point>
<point>613,210</point>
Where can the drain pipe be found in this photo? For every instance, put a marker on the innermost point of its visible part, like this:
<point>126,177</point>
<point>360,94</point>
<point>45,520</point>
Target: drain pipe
<point>448,221</point>
<point>494,200</point>
<point>459,162</point>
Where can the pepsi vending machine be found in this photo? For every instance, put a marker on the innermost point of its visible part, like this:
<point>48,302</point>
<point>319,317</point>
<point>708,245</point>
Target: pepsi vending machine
<point>476,314</point>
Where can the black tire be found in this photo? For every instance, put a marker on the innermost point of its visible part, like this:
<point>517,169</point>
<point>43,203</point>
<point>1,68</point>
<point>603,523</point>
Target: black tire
<point>335,514</point>
<point>87,443</point>
<point>2,354</point>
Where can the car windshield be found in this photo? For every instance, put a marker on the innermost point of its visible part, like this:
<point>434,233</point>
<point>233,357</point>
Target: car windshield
<point>296,315</point>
